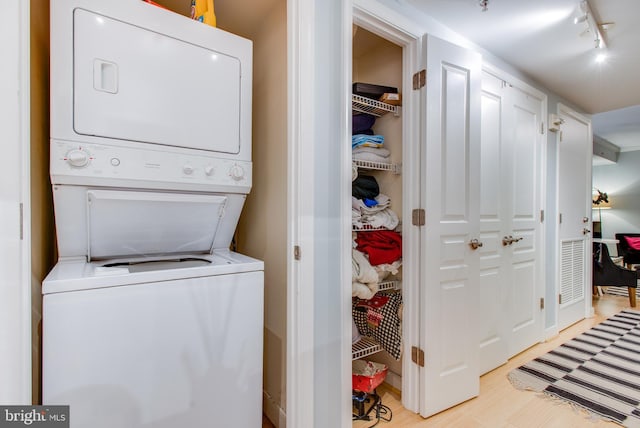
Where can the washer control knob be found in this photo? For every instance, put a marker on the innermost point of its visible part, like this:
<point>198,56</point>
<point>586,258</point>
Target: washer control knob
<point>77,158</point>
<point>208,170</point>
<point>187,169</point>
<point>236,172</point>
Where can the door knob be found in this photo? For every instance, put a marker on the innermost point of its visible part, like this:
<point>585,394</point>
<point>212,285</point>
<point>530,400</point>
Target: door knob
<point>585,231</point>
<point>507,240</point>
<point>475,244</point>
<point>517,239</point>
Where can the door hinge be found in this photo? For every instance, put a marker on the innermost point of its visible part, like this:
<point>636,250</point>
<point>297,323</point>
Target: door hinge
<point>419,79</point>
<point>560,218</point>
<point>296,252</point>
<point>541,216</point>
<point>418,217</point>
<point>542,128</point>
<point>559,299</point>
<point>560,136</point>
<point>542,303</point>
<point>21,221</point>
<point>417,356</point>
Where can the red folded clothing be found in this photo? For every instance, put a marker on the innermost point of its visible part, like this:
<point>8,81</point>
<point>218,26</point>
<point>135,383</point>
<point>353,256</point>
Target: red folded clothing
<point>382,246</point>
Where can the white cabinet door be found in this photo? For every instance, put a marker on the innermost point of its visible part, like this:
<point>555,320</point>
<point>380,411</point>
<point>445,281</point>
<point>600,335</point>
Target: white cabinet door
<point>574,196</point>
<point>450,186</point>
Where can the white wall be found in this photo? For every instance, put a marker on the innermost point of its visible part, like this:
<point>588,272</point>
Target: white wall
<point>621,182</point>
<point>262,231</point>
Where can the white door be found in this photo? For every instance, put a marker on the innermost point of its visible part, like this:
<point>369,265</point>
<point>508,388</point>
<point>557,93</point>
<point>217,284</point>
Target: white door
<point>574,206</point>
<point>493,226</point>
<point>449,290</point>
<point>511,156</point>
<point>525,277</point>
<point>15,276</point>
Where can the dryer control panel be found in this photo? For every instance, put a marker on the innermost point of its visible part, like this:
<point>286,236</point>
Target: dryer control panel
<point>177,169</point>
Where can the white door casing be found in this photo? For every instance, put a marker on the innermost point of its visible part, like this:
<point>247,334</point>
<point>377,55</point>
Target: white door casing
<point>574,207</point>
<point>451,186</point>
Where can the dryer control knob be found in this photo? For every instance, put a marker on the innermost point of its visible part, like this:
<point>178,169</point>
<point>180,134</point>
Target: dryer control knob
<point>236,172</point>
<point>187,169</point>
<point>77,158</point>
<point>208,170</point>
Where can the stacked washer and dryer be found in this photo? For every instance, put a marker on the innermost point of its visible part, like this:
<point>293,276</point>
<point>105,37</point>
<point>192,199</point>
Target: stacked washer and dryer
<point>149,320</point>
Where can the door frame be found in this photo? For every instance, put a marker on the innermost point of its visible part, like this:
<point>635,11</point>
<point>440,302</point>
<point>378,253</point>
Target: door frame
<point>398,30</point>
<point>15,284</point>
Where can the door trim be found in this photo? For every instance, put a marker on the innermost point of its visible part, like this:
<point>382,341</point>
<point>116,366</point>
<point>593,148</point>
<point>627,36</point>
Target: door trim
<point>15,297</point>
<point>318,214</point>
<point>395,28</point>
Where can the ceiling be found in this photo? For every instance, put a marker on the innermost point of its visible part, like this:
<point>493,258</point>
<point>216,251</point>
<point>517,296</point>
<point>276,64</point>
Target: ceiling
<point>539,38</point>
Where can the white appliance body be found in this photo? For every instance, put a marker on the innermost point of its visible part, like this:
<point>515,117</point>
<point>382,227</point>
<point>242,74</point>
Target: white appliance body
<point>148,319</point>
<point>128,73</point>
<point>163,348</point>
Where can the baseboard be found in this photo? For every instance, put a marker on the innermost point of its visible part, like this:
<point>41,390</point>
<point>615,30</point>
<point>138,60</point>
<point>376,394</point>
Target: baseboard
<point>274,412</point>
<point>394,379</point>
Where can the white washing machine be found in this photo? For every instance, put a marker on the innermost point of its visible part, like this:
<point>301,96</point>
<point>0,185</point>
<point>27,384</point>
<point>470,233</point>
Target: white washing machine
<point>149,320</point>
<point>155,344</point>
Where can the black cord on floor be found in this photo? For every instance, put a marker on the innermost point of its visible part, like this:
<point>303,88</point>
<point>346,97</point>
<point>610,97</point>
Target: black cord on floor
<point>382,410</point>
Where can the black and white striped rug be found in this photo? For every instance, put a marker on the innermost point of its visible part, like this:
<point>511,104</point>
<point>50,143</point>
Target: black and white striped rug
<point>598,370</point>
<point>619,291</point>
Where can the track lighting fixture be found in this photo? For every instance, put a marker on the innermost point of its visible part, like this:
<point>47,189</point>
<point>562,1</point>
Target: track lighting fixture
<point>593,28</point>
<point>484,4</point>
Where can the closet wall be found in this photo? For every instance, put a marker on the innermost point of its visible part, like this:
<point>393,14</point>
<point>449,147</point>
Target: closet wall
<point>262,230</point>
<point>42,225</point>
<point>378,61</point>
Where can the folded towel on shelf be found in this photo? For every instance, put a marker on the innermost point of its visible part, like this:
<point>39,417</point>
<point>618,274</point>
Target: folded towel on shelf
<point>354,172</point>
<point>378,151</point>
<point>360,140</point>
<point>371,154</point>
<point>374,216</point>
<point>382,202</point>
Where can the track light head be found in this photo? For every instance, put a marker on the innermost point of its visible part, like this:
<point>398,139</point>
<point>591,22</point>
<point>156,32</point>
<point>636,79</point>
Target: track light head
<point>579,19</point>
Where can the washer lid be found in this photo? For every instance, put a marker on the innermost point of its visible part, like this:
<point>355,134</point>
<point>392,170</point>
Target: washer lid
<point>128,223</point>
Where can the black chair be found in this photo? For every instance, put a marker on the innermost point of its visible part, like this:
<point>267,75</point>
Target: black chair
<point>629,255</point>
<point>606,272</point>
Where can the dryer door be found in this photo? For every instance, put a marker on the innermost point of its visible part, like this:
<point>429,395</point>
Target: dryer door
<point>131,83</point>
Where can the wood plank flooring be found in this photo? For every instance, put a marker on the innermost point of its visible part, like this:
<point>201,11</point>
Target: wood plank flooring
<point>499,403</point>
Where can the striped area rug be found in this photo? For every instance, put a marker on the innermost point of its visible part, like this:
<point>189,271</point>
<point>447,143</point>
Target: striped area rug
<point>598,370</point>
<point>619,291</point>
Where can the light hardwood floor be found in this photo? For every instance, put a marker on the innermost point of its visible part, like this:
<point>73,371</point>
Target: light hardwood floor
<point>499,403</point>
